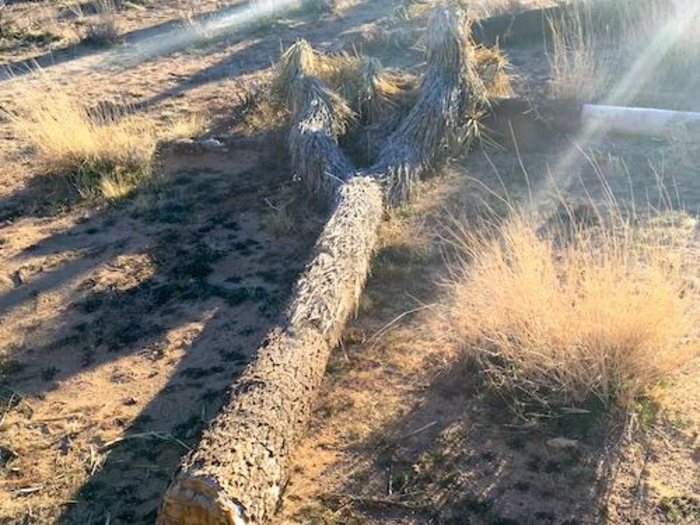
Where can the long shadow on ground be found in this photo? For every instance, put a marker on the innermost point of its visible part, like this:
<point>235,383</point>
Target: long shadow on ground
<point>211,262</point>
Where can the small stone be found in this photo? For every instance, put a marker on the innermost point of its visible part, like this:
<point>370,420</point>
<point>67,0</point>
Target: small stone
<point>130,401</point>
<point>18,278</point>
<point>562,443</point>
<point>211,144</point>
<point>65,443</point>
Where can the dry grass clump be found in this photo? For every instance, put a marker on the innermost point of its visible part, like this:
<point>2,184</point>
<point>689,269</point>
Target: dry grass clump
<point>102,28</point>
<point>46,29</point>
<point>363,83</point>
<point>596,42</point>
<point>597,318</point>
<point>492,66</point>
<point>188,126</point>
<point>581,59</point>
<point>104,151</point>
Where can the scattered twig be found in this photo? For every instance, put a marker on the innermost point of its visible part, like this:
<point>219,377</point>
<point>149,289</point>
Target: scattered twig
<point>574,410</point>
<point>267,201</point>
<point>29,490</point>
<point>417,431</point>
<point>59,417</point>
<point>14,400</point>
<point>388,326</point>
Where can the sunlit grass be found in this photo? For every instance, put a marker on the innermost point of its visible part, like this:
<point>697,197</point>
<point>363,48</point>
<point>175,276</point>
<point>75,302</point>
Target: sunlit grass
<point>598,316</point>
<point>105,152</point>
<point>596,43</point>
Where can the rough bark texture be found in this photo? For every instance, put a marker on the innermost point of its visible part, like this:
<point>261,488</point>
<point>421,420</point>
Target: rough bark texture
<point>430,130</point>
<point>237,473</point>
<point>319,117</point>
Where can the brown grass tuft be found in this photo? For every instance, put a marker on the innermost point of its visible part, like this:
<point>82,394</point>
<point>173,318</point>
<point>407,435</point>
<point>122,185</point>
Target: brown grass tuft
<point>105,151</point>
<point>581,59</point>
<point>596,42</point>
<point>101,28</point>
<point>599,318</point>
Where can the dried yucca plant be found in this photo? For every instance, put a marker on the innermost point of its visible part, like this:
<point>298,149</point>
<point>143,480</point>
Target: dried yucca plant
<point>319,117</point>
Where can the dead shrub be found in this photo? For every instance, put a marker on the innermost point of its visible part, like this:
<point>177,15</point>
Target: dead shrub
<point>581,60</point>
<point>595,319</point>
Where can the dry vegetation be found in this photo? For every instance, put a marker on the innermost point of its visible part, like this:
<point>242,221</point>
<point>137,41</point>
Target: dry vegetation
<point>487,8</point>
<point>652,41</point>
<point>102,28</point>
<point>94,22</point>
<point>593,317</point>
<point>105,150</point>
<point>597,318</point>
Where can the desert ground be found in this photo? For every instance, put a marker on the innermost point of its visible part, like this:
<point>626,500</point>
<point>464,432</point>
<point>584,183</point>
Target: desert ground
<point>126,317</point>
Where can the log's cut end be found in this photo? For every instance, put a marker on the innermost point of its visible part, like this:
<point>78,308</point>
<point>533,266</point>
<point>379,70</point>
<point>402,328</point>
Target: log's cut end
<point>199,501</point>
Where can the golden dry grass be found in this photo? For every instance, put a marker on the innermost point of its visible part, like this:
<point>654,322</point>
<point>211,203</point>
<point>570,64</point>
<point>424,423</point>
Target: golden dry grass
<point>596,42</point>
<point>597,318</point>
<point>106,152</point>
<point>580,60</point>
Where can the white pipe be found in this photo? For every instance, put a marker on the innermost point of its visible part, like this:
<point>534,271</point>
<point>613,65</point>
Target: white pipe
<point>638,121</point>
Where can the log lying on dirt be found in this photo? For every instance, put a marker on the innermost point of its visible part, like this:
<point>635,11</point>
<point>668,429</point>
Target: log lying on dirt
<point>239,470</point>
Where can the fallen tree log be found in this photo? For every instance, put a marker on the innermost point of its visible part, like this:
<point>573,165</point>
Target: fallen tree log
<point>238,472</point>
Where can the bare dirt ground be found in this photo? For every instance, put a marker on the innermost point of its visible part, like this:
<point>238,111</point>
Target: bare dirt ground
<point>122,325</point>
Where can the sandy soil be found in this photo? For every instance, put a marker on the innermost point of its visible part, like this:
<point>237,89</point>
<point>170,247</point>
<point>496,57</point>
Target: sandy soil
<point>121,326</point>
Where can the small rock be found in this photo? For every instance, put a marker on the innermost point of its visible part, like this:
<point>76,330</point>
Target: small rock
<point>130,401</point>
<point>562,443</point>
<point>18,278</point>
<point>120,422</point>
<point>64,444</point>
<point>211,144</point>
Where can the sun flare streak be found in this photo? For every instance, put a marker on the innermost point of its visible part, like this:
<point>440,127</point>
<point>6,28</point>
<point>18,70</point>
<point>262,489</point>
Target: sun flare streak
<point>671,33</point>
<point>185,36</point>
<point>177,37</point>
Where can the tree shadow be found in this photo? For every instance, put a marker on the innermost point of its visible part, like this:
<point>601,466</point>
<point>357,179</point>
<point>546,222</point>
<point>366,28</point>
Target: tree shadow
<point>219,28</point>
<point>47,195</point>
<point>460,456</point>
<point>131,44</point>
<point>193,251</point>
